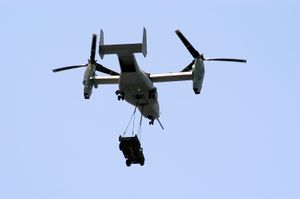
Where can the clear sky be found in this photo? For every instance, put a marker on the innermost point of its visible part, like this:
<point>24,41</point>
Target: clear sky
<point>238,139</point>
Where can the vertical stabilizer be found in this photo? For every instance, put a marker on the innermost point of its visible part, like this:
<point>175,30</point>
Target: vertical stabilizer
<point>101,43</point>
<point>144,44</point>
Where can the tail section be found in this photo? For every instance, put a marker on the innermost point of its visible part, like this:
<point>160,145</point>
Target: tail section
<point>123,49</point>
<point>101,43</point>
<point>144,44</point>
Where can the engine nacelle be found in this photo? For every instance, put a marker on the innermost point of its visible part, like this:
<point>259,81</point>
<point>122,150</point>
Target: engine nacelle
<point>198,75</point>
<point>87,80</point>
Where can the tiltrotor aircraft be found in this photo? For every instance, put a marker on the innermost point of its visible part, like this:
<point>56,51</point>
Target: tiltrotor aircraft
<point>135,85</point>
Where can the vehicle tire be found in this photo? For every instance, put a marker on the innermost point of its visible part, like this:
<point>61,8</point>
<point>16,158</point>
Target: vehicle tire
<point>128,163</point>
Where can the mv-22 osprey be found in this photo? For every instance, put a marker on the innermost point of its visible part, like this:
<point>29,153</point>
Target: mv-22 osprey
<point>135,85</point>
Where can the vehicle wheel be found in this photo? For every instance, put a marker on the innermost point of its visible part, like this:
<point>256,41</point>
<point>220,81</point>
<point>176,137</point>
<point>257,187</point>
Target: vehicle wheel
<point>128,163</point>
<point>142,163</point>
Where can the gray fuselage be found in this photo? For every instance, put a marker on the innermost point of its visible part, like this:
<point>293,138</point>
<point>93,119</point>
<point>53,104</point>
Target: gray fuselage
<point>137,87</point>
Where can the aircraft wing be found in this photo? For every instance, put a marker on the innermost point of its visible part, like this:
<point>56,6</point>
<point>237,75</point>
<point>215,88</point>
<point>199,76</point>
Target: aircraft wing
<point>112,79</point>
<point>171,77</point>
<point>159,77</point>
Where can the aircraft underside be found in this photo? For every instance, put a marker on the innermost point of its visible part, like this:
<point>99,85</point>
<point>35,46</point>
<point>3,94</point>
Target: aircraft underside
<point>136,90</point>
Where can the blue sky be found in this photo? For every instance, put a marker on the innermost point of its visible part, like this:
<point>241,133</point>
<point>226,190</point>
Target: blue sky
<point>238,139</point>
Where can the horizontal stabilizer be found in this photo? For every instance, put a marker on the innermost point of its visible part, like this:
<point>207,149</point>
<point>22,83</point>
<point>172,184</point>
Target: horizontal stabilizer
<point>122,49</point>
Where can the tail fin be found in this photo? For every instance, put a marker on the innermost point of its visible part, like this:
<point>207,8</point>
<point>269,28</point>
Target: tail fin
<point>144,45</point>
<point>123,48</point>
<point>101,42</point>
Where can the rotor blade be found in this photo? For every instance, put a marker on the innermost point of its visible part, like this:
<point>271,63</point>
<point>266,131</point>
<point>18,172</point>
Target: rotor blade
<point>188,45</point>
<point>67,68</point>
<point>189,67</point>
<point>93,48</point>
<point>105,70</point>
<point>227,59</point>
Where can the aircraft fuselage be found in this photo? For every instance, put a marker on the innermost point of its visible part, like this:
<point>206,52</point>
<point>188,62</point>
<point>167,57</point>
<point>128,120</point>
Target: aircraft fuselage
<point>136,88</point>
